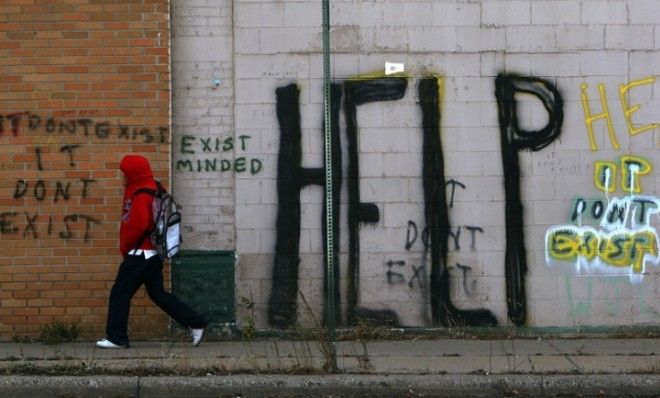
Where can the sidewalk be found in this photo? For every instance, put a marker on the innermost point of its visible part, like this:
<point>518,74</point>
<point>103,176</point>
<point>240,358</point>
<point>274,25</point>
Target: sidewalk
<point>448,367</point>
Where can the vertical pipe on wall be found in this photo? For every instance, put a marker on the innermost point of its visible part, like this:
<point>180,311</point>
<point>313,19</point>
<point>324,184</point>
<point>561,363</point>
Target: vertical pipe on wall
<point>329,225</point>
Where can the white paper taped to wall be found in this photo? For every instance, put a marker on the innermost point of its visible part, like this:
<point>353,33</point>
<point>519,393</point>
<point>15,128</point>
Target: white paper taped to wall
<point>393,67</point>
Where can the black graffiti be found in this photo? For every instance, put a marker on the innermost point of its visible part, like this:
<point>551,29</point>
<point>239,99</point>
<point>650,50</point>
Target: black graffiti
<point>71,218</point>
<point>60,190</point>
<point>40,191</point>
<point>411,238</point>
<point>9,225</point>
<point>14,122</point>
<point>22,187</point>
<point>134,133</point>
<point>616,212</point>
<point>453,184</point>
<point>472,229</point>
<point>359,93</point>
<point>387,318</point>
<point>282,307</point>
<point>412,235</point>
<point>70,149</point>
<point>435,236</point>
<point>37,151</point>
<point>291,178</point>
<point>456,236</point>
<point>64,148</point>
<point>436,215</point>
<point>468,290</point>
<point>419,273</point>
<point>30,225</point>
<point>513,139</point>
<point>82,126</point>
<point>597,209</point>
<point>642,206</point>
<point>397,277</point>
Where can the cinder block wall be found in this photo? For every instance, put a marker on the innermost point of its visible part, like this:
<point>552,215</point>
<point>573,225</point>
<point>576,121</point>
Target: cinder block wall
<point>563,191</point>
<point>203,136</point>
<point>81,84</point>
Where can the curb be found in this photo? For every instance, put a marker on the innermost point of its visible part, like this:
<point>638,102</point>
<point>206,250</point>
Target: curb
<point>350,385</point>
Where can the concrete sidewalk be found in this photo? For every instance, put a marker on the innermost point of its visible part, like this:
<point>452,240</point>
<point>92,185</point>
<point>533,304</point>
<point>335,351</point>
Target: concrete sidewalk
<point>543,367</point>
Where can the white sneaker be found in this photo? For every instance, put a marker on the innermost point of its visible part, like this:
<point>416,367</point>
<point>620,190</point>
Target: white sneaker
<point>105,343</point>
<point>197,336</point>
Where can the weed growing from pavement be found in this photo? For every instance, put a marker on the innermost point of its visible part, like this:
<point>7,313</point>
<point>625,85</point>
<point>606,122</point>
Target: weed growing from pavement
<point>81,369</point>
<point>321,335</point>
<point>249,331</point>
<point>22,339</point>
<point>56,333</point>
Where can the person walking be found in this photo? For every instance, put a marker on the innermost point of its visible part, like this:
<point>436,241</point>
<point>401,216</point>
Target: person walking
<point>141,263</point>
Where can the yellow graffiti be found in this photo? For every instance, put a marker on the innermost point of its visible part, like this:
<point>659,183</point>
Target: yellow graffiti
<point>605,176</point>
<point>378,74</point>
<point>618,249</point>
<point>632,169</point>
<point>629,110</point>
<point>589,118</point>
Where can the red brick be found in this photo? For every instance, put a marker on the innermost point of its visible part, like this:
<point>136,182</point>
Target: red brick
<point>99,60</point>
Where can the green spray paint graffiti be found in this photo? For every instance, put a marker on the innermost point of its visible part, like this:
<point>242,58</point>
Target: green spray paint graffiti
<point>216,154</point>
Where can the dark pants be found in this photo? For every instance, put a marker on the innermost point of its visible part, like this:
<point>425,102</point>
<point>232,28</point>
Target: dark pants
<point>133,272</point>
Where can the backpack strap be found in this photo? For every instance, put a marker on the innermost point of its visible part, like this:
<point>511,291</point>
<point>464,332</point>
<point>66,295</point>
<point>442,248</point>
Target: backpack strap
<point>149,191</point>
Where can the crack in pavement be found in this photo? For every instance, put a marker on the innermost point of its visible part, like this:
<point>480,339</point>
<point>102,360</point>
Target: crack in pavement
<point>576,367</point>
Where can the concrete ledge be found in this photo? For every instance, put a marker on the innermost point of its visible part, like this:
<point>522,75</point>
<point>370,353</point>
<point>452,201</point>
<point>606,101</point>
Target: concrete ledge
<point>346,385</point>
<point>552,357</point>
<point>68,386</point>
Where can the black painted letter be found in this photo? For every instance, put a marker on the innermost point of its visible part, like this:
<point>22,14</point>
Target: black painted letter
<point>512,140</point>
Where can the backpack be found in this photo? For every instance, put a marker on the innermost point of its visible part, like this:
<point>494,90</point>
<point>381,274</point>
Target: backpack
<point>166,235</point>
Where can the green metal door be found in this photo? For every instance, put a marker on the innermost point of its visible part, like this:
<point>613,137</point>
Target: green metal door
<point>205,281</point>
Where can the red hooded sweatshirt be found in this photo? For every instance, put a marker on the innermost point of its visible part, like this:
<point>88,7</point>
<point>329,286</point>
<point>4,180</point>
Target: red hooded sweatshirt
<point>136,218</point>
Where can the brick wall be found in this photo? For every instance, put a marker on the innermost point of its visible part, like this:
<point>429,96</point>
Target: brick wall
<point>81,84</point>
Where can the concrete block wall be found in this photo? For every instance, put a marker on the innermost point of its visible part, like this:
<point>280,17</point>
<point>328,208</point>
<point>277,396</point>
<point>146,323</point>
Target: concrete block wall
<point>203,154</point>
<point>594,55</point>
<point>81,84</point>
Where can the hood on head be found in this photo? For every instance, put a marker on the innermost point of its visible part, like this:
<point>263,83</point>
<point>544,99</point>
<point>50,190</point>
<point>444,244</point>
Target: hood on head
<point>135,168</point>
